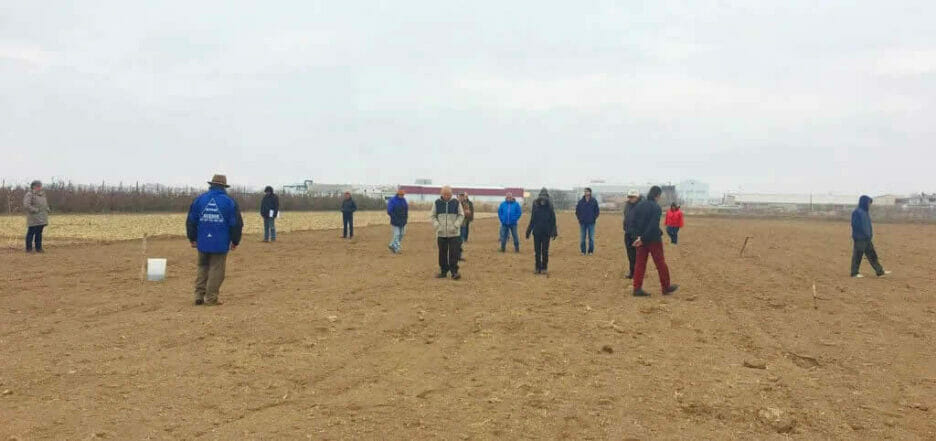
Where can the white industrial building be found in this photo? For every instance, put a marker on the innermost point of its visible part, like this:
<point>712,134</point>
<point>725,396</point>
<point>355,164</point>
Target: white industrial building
<point>692,192</point>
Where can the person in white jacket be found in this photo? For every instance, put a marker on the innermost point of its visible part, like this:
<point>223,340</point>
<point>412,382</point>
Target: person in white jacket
<point>447,218</point>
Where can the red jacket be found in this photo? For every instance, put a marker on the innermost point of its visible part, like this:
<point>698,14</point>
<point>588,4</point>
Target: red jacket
<point>674,218</point>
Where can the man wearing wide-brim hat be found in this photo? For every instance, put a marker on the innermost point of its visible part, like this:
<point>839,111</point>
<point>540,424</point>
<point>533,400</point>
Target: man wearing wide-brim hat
<point>214,227</point>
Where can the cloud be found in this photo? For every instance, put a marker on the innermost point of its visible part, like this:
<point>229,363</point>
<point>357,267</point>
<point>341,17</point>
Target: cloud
<point>27,53</point>
<point>905,62</point>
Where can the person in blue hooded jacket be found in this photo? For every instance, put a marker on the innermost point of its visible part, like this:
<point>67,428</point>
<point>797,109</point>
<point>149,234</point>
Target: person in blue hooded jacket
<point>862,233</point>
<point>214,226</point>
<point>398,210</point>
<point>509,214</point>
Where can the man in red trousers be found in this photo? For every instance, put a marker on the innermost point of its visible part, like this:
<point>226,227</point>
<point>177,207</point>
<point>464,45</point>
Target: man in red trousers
<point>649,242</point>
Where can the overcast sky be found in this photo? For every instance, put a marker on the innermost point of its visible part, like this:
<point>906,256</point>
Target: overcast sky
<point>800,96</point>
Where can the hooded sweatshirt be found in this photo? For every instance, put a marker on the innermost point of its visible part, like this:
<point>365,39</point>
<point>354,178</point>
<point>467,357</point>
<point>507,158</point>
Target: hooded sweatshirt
<point>398,210</point>
<point>861,220</point>
<point>269,203</point>
<point>542,217</point>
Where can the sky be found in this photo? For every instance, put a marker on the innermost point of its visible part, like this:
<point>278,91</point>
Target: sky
<point>753,96</point>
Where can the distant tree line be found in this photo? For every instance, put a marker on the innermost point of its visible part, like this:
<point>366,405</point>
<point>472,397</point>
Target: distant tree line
<point>70,198</point>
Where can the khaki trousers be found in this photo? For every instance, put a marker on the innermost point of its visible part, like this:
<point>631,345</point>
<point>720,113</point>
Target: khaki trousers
<point>210,276</point>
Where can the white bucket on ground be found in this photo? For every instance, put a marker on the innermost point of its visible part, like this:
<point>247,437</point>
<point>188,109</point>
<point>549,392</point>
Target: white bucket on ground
<point>155,269</point>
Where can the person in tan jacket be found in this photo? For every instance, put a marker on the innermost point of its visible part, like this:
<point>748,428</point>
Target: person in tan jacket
<point>36,207</point>
<point>447,217</point>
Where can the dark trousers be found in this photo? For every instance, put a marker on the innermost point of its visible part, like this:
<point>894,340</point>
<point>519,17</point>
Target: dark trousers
<point>654,249</point>
<point>541,249</point>
<point>673,233</point>
<point>631,252</point>
<point>449,250</point>
<point>347,222</point>
<point>34,235</point>
<point>865,248</point>
<point>464,233</point>
<point>211,268</point>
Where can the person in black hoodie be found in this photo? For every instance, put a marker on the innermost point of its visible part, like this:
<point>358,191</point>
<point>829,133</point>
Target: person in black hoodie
<point>269,211</point>
<point>630,231</point>
<point>543,226</point>
<point>862,233</point>
<point>348,207</point>
<point>649,242</point>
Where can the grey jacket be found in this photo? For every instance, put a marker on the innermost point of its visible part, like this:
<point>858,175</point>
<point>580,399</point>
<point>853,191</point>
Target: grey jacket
<point>447,217</point>
<point>36,207</point>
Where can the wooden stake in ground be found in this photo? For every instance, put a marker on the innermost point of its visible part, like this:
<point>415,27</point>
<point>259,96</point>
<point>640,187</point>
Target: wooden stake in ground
<point>746,239</point>
<point>815,300</point>
<point>143,272</point>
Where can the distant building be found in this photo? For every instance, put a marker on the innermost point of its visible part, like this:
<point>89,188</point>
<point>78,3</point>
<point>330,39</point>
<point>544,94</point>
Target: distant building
<point>889,200</point>
<point>692,192</point>
<point>922,200</point>
<point>429,193</point>
<point>788,199</point>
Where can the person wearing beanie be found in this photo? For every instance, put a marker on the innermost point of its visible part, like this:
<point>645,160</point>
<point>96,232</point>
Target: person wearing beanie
<point>630,232</point>
<point>214,226</point>
<point>649,242</point>
<point>587,212</point>
<point>862,233</point>
<point>269,211</point>
<point>36,206</point>
<point>543,227</point>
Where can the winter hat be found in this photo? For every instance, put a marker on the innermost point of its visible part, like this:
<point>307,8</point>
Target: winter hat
<point>544,193</point>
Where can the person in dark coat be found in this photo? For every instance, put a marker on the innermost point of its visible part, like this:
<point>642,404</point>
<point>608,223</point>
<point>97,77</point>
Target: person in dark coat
<point>862,233</point>
<point>269,211</point>
<point>214,226</point>
<point>543,227</point>
<point>587,212</point>
<point>348,207</point>
<point>649,242</point>
<point>630,232</point>
<point>398,210</point>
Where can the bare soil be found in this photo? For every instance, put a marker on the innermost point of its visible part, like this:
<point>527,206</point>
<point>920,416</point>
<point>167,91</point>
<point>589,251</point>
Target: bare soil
<point>322,338</point>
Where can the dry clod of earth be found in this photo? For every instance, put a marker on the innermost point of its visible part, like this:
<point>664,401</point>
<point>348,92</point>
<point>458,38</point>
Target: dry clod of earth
<point>755,364</point>
<point>607,349</point>
<point>777,419</point>
<point>804,361</point>
<point>7,392</point>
